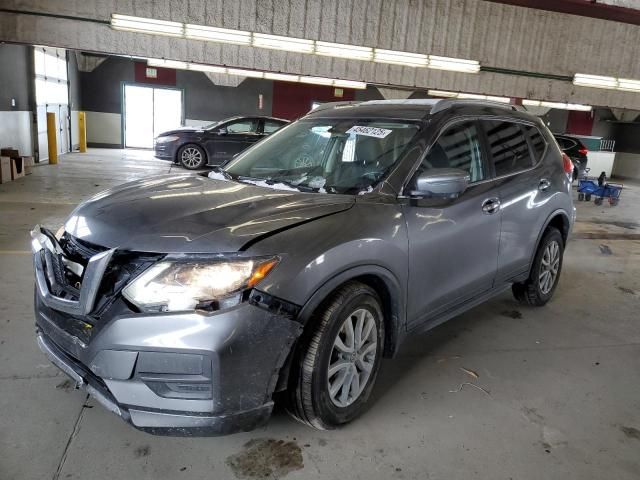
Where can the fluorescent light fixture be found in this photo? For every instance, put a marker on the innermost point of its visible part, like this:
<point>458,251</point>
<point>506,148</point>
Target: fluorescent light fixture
<point>317,80</point>
<point>472,96</point>
<point>245,73</point>
<point>343,51</point>
<point>469,96</point>
<point>349,84</point>
<point>214,34</point>
<point>580,108</point>
<point>146,25</point>
<point>628,85</point>
<point>161,62</point>
<point>596,81</point>
<point>498,99</point>
<point>277,42</point>
<point>454,64</point>
<point>283,77</point>
<point>198,67</point>
<point>442,93</point>
<point>559,105</point>
<point>400,58</point>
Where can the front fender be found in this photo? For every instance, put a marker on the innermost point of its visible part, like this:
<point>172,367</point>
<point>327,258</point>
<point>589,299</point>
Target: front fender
<point>317,257</point>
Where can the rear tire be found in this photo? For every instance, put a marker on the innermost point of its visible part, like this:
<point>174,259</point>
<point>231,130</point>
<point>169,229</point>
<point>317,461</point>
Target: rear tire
<point>192,157</point>
<point>324,392</point>
<point>587,197</point>
<point>598,201</point>
<point>538,289</point>
<point>581,197</point>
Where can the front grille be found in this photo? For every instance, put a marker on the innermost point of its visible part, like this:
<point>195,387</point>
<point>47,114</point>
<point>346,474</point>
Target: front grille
<point>123,267</point>
<point>67,284</point>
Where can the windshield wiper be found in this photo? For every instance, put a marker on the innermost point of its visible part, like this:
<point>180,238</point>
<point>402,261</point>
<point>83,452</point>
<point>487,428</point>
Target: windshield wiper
<point>272,181</point>
<point>225,174</point>
<point>302,188</point>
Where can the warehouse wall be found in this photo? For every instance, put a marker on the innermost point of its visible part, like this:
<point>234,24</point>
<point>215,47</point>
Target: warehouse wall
<point>627,137</point>
<point>627,165</point>
<point>204,102</point>
<point>16,82</point>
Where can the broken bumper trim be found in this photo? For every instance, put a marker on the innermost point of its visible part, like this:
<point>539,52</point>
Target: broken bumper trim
<point>153,421</point>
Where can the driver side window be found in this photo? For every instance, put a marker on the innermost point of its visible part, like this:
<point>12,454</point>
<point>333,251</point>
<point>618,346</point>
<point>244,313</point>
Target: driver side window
<point>458,147</point>
<point>246,125</point>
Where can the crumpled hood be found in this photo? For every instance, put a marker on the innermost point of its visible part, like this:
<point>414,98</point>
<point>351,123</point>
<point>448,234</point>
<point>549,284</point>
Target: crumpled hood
<point>193,214</point>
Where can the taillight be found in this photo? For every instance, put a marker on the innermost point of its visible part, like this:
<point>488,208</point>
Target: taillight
<point>567,164</point>
<point>583,151</point>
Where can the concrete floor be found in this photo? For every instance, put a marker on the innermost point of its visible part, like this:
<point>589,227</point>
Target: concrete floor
<point>561,384</point>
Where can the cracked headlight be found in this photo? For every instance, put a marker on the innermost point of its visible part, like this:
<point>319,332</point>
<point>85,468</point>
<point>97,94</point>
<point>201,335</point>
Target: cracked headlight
<point>171,286</point>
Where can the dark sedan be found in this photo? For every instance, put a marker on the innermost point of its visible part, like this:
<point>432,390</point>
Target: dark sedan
<point>214,144</point>
<point>576,151</point>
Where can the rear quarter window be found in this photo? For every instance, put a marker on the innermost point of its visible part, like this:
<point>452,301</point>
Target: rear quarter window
<point>508,147</point>
<point>537,141</point>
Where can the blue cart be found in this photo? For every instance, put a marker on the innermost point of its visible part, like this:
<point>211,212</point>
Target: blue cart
<point>590,186</point>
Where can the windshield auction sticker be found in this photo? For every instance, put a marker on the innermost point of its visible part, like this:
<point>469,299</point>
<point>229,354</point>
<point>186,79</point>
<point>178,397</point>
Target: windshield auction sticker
<point>369,131</point>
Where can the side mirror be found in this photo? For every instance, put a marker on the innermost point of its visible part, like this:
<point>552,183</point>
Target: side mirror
<point>441,183</point>
<point>222,131</point>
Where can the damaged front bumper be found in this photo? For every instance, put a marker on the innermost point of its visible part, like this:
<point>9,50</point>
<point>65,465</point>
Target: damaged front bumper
<point>205,375</point>
<point>188,373</point>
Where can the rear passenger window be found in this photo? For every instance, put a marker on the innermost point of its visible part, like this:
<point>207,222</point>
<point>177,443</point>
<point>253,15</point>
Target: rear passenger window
<point>457,147</point>
<point>538,143</point>
<point>508,147</point>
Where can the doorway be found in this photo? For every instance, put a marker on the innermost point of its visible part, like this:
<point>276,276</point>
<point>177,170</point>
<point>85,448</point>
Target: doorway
<point>149,111</point>
<point>52,96</point>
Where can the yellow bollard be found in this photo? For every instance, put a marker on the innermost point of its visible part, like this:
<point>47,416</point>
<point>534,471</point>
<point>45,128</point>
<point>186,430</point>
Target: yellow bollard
<point>82,130</point>
<point>51,138</point>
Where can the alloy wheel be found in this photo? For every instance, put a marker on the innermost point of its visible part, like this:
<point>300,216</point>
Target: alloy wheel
<point>352,357</point>
<point>549,266</point>
<point>191,157</point>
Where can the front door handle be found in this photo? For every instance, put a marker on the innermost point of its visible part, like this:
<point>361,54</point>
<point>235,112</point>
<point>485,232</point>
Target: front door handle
<point>544,184</point>
<point>491,205</point>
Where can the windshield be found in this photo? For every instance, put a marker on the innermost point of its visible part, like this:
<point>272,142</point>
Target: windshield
<point>326,155</point>
<point>212,125</point>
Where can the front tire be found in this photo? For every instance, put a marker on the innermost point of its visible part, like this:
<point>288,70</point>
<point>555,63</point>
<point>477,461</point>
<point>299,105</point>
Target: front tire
<point>336,366</point>
<point>538,289</point>
<point>192,157</point>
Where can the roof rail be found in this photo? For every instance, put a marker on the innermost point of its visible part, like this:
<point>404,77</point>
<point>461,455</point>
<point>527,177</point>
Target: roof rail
<point>436,104</point>
<point>450,102</point>
<point>406,101</point>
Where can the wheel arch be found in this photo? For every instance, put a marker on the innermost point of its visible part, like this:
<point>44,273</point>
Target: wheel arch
<point>383,282</point>
<point>558,219</point>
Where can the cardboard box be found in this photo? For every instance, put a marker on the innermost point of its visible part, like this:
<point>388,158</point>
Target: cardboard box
<point>28,165</point>
<point>9,152</point>
<point>5,169</point>
<point>17,168</point>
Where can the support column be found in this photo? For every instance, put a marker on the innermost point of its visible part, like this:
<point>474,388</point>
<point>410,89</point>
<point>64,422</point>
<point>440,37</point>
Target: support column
<point>51,138</point>
<point>82,129</point>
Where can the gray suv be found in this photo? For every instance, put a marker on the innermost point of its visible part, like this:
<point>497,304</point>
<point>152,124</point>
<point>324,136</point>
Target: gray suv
<point>184,303</point>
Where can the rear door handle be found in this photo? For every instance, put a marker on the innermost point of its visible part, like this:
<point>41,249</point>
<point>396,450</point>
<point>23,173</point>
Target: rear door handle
<point>544,184</point>
<point>491,205</point>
